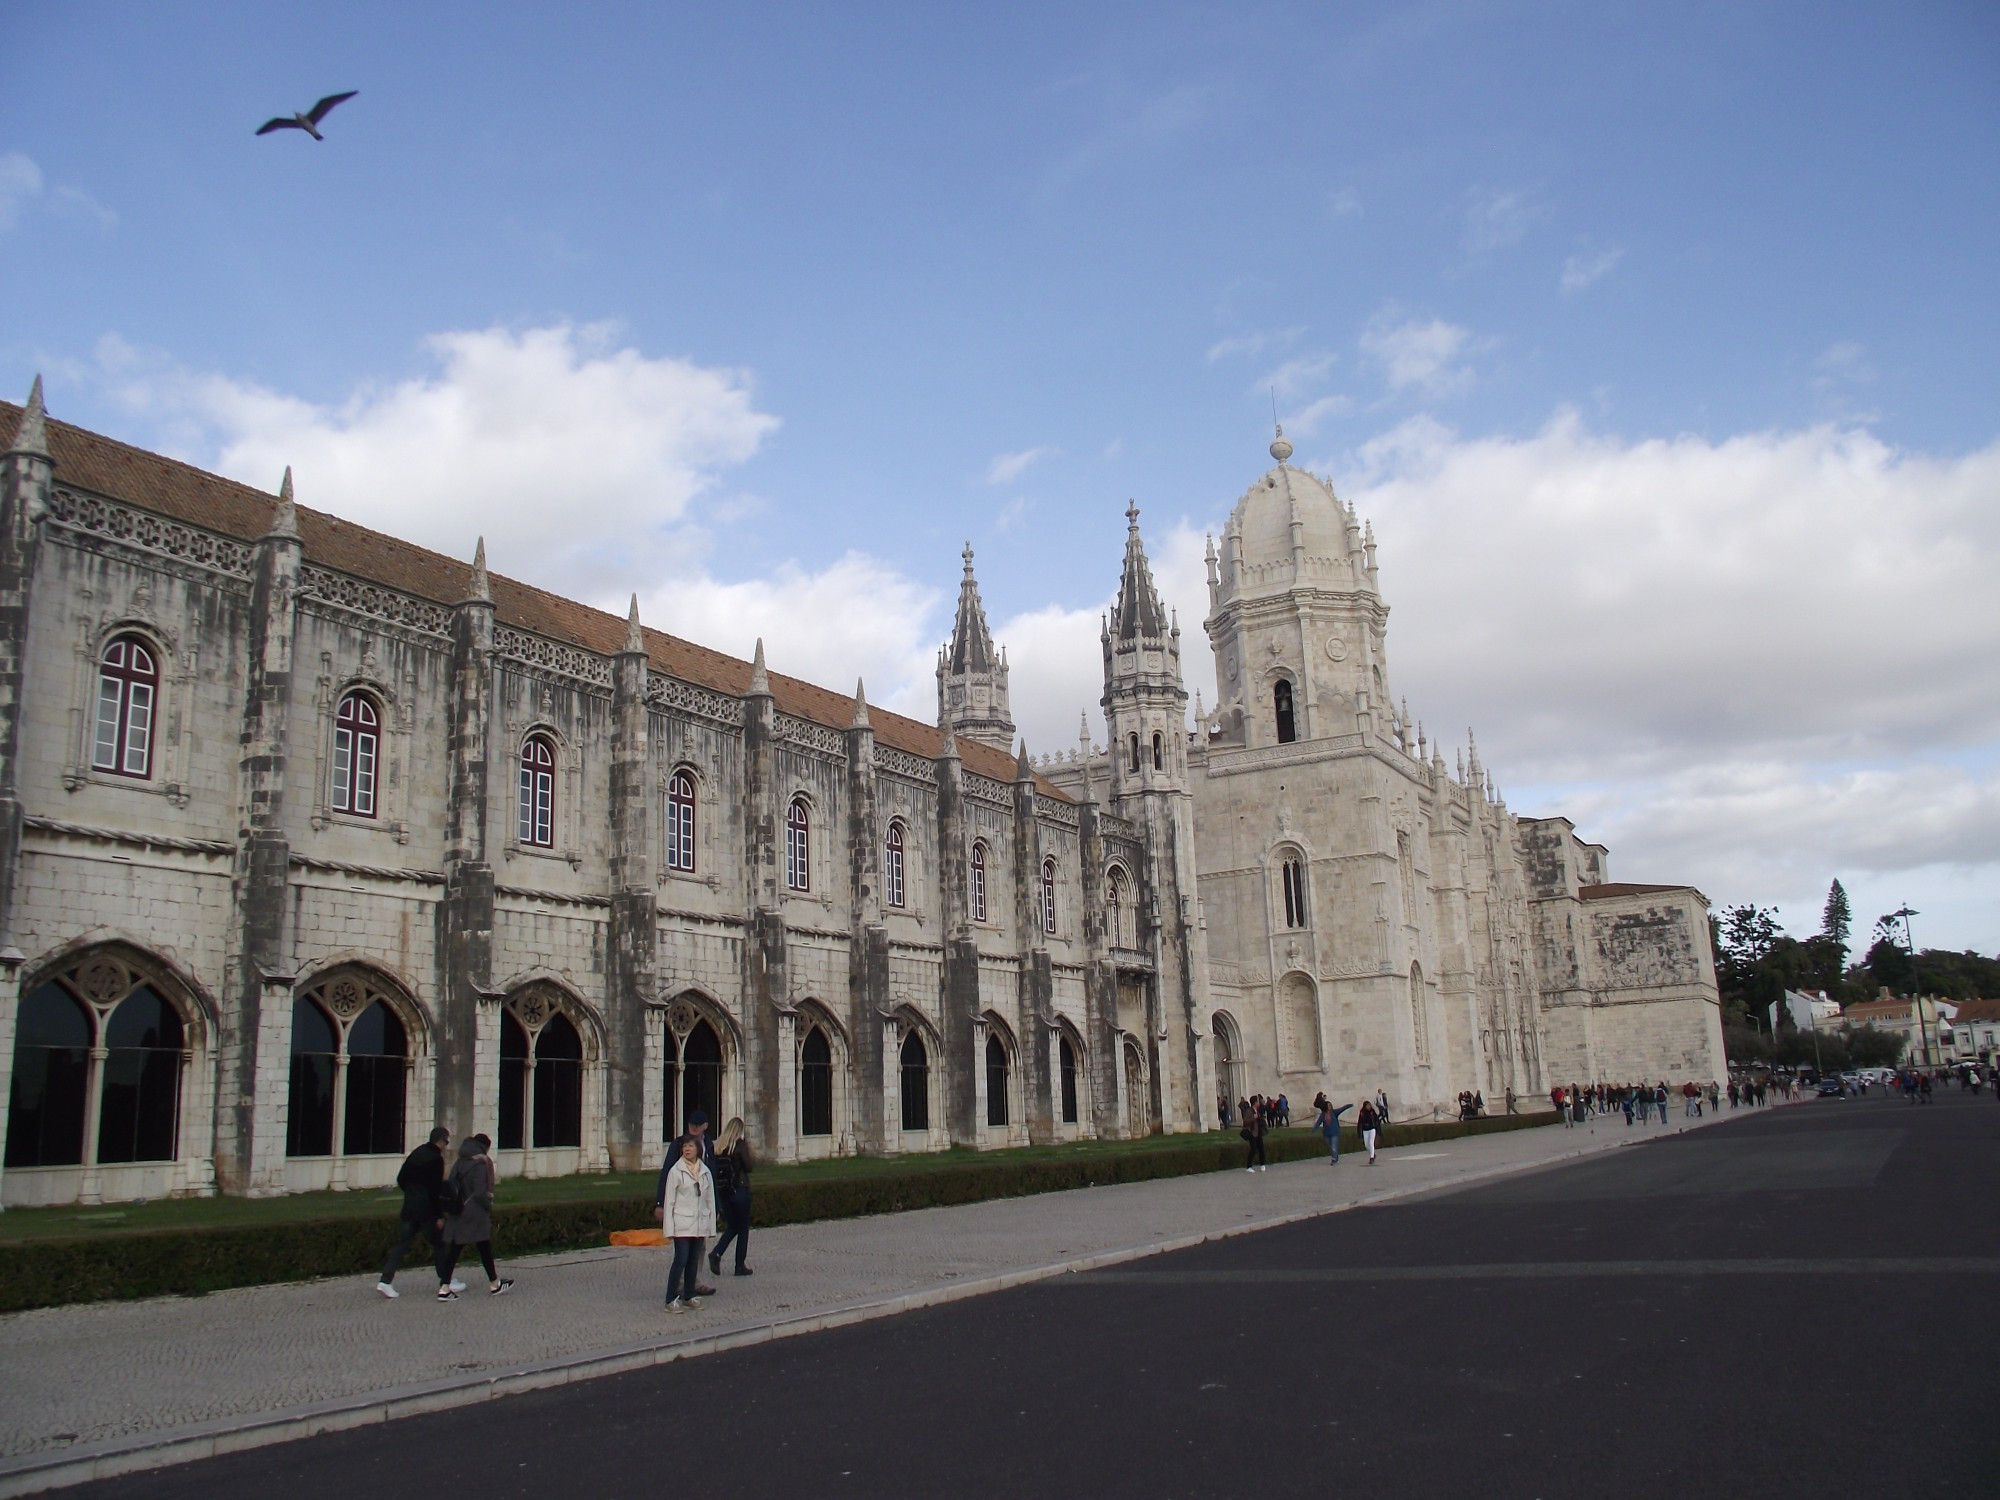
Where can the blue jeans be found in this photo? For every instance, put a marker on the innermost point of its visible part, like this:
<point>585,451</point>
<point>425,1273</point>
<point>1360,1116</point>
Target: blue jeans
<point>687,1259</point>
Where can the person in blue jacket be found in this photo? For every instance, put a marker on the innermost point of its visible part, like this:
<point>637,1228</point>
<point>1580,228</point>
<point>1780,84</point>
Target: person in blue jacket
<point>1328,1124</point>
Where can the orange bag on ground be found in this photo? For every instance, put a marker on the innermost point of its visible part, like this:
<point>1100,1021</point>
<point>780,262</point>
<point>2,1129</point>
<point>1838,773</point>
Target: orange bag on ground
<point>652,1237</point>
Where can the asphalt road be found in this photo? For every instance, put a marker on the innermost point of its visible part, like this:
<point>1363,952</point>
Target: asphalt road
<point>1795,1302</point>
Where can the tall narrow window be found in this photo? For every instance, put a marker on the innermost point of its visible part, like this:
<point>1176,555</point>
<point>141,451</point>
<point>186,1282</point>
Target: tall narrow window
<point>1159,754</point>
<point>996,1082</point>
<point>127,681</point>
<point>798,846</point>
<point>1066,1062</point>
<point>357,730</point>
<point>541,1073</point>
<point>1295,893</point>
<point>315,1065</point>
<point>680,822</point>
<point>816,1084</point>
<point>1114,909</point>
<point>916,1061</point>
<point>1048,895</point>
<point>976,871</point>
<point>377,1076</point>
<point>538,792</point>
<point>51,1086</point>
<point>892,866</point>
<point>1135,752</point>
<point>1281,700</point>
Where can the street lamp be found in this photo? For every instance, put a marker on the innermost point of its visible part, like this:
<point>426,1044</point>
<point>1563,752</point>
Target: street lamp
<point>1916,999</point>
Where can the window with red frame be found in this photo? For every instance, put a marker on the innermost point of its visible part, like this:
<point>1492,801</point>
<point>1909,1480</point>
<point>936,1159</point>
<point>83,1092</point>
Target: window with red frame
<point>357,743</point>
<point>128,681</point>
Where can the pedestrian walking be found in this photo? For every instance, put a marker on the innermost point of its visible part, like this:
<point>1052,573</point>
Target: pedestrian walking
<point>1253,1132</point>
<point>1368,1122</point>
<point>421,1178</point>
<point>1382,1106</point>
<point>468,1220</point>
<point>732,1192</point>
<point>1329,1127</point>
<point>688,1215</point>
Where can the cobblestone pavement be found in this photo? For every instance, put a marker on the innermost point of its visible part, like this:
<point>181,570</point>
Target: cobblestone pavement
<point>112,1377</point>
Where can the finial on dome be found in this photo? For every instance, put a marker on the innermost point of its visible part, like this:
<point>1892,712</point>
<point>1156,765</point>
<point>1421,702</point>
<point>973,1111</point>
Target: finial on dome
<point>1132,515</point>
<point>1280,449</point>
<point>967,555</point>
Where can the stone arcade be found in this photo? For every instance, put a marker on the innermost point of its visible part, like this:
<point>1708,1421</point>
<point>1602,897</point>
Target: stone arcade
<point>310,837</point>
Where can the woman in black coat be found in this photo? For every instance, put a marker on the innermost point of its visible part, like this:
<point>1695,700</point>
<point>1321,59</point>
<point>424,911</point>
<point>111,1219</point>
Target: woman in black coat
<point>732,1192</point>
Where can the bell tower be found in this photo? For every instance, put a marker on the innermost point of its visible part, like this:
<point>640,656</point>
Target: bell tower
<point>972,675</point>
<point>1145,706</point>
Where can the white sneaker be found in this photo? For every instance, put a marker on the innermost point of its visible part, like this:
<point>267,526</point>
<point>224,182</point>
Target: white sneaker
<point>1263,1169</point>
<point>458,1286</point>
<point>387,1290</point>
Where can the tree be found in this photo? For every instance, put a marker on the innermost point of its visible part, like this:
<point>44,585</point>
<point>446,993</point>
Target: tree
<point>1837,919</point>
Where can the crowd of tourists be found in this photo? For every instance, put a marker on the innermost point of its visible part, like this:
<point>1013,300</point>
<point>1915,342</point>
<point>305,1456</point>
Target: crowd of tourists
<point>701,1180</point>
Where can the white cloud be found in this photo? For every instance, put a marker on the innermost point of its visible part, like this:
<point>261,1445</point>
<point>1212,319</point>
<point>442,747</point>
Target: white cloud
<point>1008,467</point>
<point>1253,343</point>
<point>1496,218</point>
<point>1344,203</point>
<point>20,184</point>
<point>1306,422</point>
<point>1588,268</point>
<point>1296,375</point>
<point>1418,353</point>
<point>566,451</point>
<point>1012,514</point>
<point>22,187</point>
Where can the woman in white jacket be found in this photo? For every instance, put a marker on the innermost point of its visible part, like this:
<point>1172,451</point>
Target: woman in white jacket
<point>687,1215</point>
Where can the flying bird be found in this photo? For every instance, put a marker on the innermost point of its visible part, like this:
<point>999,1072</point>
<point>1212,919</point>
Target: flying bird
<point>309,121</point>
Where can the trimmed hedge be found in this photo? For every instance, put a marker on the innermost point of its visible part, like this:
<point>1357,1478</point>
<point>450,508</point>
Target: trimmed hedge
<point>191,1262</point>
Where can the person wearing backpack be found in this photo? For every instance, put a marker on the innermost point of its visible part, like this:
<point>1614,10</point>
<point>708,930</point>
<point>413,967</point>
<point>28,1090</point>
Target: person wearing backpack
<point>688,1214</point>
<point>1368,1122</point>
<point>421,1178</point>
<point>732,1192</point>
<point>467,1201</point>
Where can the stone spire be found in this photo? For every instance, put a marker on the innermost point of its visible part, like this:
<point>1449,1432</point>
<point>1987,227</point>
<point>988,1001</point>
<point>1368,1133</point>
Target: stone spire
<point>972,674</point>
<point>760,679</point>
<point>1024,768</point>
<point>1137,613</point>
<point>635,637</point>
<point>32,435</point>
<point>860,719</point>
<point>285,519</point>
<point>481,587</point>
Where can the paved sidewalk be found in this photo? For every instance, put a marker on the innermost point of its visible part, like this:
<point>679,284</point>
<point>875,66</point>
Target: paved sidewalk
<point>106,1388</point>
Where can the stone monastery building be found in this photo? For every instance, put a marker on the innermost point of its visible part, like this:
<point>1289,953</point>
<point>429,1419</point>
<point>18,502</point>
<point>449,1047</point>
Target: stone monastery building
<point>311,838</point>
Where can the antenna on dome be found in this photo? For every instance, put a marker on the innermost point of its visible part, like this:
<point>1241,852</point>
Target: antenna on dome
<point>1274,406</point>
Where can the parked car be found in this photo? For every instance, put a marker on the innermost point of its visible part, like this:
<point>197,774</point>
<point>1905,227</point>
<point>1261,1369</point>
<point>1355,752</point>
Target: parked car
<point>1831,1087</point>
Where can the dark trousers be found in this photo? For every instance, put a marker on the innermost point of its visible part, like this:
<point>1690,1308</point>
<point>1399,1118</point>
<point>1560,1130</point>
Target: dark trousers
<point>687,1259</point>
<point>449,1260</point>
<point>737,1211</point>
<point>410,1229</point>
<point>1256,1157</point>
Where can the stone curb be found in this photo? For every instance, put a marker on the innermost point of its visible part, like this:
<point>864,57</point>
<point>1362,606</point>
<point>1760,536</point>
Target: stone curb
<point>34,1473</point>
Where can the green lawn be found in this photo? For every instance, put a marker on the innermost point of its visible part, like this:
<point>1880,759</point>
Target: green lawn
<point>21,1224</point>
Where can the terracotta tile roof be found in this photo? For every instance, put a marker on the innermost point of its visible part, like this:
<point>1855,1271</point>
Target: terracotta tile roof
<point>1971,1011</point>
<point>88,461</point>
<point>1624,888</point>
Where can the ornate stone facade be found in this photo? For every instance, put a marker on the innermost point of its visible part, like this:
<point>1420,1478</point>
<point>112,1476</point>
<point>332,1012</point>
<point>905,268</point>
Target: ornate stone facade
<point>310,838</point>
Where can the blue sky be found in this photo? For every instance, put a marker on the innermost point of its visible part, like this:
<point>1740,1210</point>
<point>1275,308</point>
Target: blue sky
<point>1659,343</point>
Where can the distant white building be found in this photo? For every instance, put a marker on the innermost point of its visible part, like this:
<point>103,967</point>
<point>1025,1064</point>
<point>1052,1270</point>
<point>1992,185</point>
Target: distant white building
<point>1810,1010</point>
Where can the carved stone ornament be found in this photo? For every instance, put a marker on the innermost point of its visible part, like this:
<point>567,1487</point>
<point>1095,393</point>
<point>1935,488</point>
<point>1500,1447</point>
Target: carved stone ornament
<point>103,981</point>
<point>346,998</point>
<point>533,1006</point>
<point>1336,647</point>
<point>681,1018</point>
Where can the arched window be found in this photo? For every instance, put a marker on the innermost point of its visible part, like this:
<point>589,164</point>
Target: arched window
<point>1159,753</point>
<point>357,739</point>
<point>1135,753</point>
<point>128,681</point>
<point>1281,701</point>
<point>350,1071</point>
<point>892,866</point>
<point>816,1084</point>
<point>541,1073</point>
<point>538,792</point>
<point>51,1088</point>
<point>976,872</point>
<point>1294,875</point>
<point>1138,1105</point>
<point>1048,895</point>
<point>680,822</point>
<point>1420,1021</point>
<point>916,1059</point>
<point>798,846</point>
<point>1066,1065</point>
<point>694,1067</point>
<point>97,1030</point>
<point>996,1081</point>
<point>1117,927</point>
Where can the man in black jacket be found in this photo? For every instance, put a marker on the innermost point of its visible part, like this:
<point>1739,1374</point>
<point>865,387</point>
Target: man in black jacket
<point>697,1132</point>
<point>421,1179</point>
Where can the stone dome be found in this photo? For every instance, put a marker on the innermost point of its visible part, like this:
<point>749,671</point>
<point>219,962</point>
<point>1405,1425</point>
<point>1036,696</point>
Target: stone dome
<point>1263,519</point>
